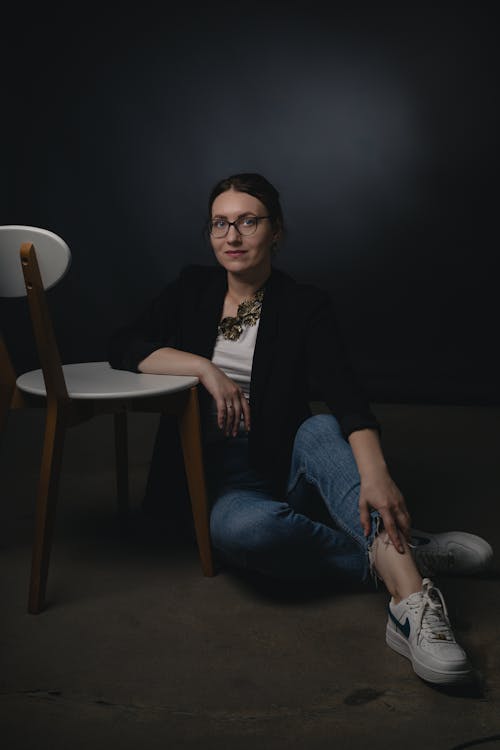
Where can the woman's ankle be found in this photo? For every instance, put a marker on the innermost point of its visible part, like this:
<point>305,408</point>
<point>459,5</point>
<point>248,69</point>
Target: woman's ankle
<point>397,570</point>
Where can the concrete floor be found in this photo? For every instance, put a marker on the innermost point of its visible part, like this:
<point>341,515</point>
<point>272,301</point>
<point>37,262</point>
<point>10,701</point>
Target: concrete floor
<point>138,650</point>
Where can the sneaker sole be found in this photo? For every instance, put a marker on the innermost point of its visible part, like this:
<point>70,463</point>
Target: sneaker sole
<point>399,644</point>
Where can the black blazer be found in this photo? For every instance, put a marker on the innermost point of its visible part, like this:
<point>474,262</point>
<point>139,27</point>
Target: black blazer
<point>298,356</point>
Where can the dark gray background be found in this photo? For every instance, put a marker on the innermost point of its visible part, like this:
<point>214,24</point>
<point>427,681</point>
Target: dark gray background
<point>377,123</point>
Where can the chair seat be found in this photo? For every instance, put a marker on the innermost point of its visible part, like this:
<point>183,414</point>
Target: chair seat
<point>94,380</point>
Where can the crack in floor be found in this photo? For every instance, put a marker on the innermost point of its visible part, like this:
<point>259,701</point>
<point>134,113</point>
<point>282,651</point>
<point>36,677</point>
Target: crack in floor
<point>272,712</point>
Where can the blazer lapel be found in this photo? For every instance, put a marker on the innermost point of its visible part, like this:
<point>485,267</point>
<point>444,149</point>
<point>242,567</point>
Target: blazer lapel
<point>264,346</point>
<point>208,313</point>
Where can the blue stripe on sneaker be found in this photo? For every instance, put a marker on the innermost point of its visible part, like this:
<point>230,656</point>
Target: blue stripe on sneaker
<point>405,629</point>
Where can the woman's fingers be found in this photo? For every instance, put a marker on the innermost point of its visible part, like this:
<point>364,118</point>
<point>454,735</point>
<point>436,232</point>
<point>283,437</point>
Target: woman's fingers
<point>233,417</point>
<point>229,417</point>
<point>246,412</point>
<point>229,424</point>
<point>396,529</point>
<point>221,413</point>
<point>364,515</point>
<point>402,518</point>
<point>397,525</point>
<point>403,521</point>
<point>230,410</point>
<point>392,530</point>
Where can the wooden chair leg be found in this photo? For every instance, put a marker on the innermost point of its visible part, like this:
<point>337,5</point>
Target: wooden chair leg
<point>189,430</point>
<point>5,401</point>
<point>7,384</point>
<point>121,458</point>
<point>55,428</point>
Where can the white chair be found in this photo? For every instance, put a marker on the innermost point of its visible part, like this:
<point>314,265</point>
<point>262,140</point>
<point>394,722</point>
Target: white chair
<point>33,260</point>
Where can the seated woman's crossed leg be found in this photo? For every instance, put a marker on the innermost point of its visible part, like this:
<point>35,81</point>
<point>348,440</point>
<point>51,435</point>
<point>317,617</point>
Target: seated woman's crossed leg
<point>287,538</point>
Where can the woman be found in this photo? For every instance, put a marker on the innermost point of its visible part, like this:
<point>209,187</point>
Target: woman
<point>262,347</point>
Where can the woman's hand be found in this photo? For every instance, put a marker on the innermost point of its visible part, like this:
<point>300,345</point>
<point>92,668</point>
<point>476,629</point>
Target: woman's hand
<point>380,492</point>
<point>230,399</point>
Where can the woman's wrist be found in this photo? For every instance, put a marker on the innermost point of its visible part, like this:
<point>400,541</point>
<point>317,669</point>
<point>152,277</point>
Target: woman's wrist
<point>369,457</point>
<point>374,473</point>
<point>205,367</point>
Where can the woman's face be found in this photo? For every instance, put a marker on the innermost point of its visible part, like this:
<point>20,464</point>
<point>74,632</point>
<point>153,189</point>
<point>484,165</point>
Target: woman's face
<point>239,253</point>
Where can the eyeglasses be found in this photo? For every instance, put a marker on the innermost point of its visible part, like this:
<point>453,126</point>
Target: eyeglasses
<point>245,225</point>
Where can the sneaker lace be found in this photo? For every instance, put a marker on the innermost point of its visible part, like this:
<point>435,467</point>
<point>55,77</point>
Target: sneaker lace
<point>434,623</point>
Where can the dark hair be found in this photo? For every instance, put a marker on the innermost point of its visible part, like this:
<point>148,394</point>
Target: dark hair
<point>256,185</point>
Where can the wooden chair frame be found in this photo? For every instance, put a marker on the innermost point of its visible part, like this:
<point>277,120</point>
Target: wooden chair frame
<point>63,412</point>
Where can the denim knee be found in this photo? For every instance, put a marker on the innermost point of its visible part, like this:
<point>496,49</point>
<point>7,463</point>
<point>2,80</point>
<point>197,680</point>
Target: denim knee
<point>320,438</point>
<point>320,427</point>
<point>247,534</point>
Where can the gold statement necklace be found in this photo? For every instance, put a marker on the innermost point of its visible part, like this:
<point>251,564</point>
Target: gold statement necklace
<point>248,314</point>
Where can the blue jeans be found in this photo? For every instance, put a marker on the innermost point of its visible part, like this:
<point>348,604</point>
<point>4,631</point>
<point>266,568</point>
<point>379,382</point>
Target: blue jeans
<point>289,538</point>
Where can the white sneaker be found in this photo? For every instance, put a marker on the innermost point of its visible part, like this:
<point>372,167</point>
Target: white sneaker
<point>418,628</point>
<point>452,552</point>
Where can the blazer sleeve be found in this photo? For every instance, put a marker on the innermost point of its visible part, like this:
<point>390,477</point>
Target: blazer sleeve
<point>156,327</point>
<point>332,378</point>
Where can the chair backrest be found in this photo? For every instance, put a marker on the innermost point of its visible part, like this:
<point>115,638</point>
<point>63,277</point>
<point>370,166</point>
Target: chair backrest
<point>52,252</point>
<point>32,260</point>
